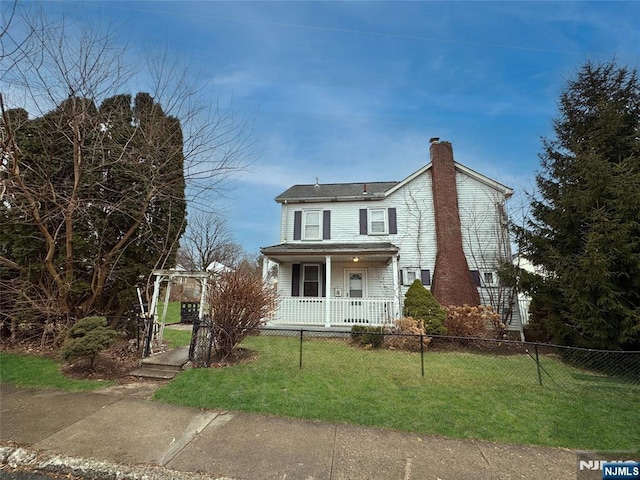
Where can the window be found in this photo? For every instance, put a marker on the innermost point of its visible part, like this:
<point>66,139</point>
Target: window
<point>488,278</point>
<point>311,281</point>
<point>312,225</point>
<point>412,274</point>
<point>377,221</point>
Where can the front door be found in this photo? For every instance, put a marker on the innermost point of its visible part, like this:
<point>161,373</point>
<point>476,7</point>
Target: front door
<point>356,282</point>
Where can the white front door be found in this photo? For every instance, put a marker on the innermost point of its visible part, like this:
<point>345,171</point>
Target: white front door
<point>356,285</point>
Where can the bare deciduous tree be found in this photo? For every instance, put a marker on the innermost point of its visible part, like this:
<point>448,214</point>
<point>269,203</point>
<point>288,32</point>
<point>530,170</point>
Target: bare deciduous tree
<point>94,182</point>
<point>206,240</point>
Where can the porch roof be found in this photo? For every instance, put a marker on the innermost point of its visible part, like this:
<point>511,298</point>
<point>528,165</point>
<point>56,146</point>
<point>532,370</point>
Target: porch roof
<point>294,252</point>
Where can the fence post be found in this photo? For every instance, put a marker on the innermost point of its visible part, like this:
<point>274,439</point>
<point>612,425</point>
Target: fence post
<point>422,352</point>
<point>538,363</point>
<point>301,349</point>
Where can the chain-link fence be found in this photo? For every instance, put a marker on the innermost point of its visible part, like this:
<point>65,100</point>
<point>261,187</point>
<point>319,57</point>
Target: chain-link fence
<point>436,358</point>
<point>460,359</point>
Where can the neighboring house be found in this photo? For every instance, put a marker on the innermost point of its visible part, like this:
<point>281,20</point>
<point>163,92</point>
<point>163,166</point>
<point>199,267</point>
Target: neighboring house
<point>348,252</point>
<point>524,300</point>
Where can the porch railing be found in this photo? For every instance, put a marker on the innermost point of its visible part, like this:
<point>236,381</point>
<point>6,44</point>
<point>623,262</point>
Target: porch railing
<point>342,311</point>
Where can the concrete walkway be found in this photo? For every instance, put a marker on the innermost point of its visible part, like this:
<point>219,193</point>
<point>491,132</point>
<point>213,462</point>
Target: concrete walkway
<point>163,366</point>
<point>118,429</point>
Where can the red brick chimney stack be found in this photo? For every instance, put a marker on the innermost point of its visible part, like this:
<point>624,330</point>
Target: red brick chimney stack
<point>452,282</point>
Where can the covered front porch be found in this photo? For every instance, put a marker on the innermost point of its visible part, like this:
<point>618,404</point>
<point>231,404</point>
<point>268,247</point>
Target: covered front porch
<point>334,285</point>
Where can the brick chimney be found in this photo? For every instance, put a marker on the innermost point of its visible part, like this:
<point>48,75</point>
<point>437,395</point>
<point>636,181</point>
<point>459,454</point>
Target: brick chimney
<point>452,282</point>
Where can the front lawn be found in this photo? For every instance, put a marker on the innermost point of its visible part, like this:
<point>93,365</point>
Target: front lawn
<point>39,372</point>
<point>462,395</point>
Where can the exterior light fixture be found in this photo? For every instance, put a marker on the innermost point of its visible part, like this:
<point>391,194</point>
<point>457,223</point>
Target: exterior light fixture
<point>355,259</point>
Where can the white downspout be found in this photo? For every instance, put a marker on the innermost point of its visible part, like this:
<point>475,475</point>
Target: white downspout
<point>286,220</point>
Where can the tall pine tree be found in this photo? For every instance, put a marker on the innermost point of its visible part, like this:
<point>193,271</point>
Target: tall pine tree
<point>585,225</point>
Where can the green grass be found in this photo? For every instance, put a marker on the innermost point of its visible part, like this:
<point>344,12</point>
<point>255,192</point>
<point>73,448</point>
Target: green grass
<point>38,372</point>
<point>462,395</point>
<point>173,311</point>
<point>176,338</point>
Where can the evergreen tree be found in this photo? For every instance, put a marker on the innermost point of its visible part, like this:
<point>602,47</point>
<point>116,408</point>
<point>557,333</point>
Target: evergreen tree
<point>97,201</point>
<point>585,225</point>
<point>421,305</point>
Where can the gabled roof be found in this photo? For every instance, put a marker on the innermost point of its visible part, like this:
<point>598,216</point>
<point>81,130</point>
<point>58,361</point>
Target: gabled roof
<point>328,192</point>
<point>341,192</point>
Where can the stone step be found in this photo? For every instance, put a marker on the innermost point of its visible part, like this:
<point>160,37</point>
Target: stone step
<point>163,372</point>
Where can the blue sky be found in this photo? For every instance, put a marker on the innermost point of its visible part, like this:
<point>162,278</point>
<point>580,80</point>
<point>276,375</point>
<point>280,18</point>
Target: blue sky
<point>352,91</point>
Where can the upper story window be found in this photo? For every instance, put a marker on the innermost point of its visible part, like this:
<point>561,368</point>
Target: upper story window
<point>311,225</point>
<point>378,221</point>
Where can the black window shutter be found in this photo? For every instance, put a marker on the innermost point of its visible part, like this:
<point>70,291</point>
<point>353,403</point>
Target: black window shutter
<point>323,291</point>
<point>475,275</point>
<point>326,224</point>
<point>401,278</point>
<point>425,277</point>
<point>393,226</point>
<point>297,225</point>
<point>295,280</point>
<point>363,221</point>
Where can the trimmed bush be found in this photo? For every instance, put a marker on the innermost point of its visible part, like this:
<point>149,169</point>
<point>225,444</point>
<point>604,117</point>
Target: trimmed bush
<point>368,336</point>
<point>87,338</point>
<point>420,304</point>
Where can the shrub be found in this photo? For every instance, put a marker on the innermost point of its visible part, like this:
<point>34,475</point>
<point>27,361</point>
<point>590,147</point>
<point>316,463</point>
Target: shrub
<point>473,321</point>
<point>405,335</point>
<point>368,336</point>
<point>240,302</point>
<point>87,338</point>
<point>420,304</point>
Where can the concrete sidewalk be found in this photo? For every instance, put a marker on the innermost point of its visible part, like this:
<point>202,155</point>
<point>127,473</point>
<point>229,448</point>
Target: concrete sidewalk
<point>118,428</point>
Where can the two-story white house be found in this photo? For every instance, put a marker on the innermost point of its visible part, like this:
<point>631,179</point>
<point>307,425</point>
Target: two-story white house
<point>349,251</point>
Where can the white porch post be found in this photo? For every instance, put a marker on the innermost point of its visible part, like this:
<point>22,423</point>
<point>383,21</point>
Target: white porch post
<point>265,268</point>
<point>327,288</point>
<point>396,288</point>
